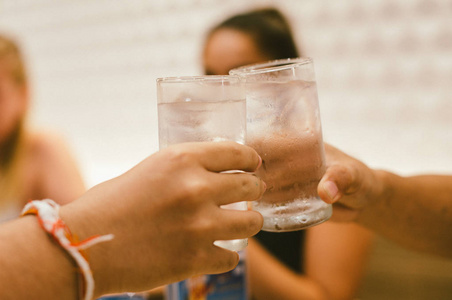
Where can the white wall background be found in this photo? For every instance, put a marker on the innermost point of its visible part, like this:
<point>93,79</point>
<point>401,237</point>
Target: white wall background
<point>384,70</point>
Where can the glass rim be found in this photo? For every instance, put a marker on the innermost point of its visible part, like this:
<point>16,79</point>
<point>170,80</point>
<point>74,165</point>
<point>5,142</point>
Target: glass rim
<point>270,66</point>
<point>200,78</point>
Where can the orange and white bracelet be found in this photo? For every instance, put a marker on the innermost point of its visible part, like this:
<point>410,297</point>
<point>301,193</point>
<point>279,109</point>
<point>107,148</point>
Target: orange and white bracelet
<point>47,212</point>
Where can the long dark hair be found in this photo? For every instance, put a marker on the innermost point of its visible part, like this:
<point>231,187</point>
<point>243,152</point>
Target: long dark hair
<point>269,29</point>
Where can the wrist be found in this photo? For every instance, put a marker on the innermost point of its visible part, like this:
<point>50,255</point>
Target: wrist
<point>381,186</point>
<point>376,200</point>
<point>385,187</point>
<point>84,224</point>
<point>34,254</point>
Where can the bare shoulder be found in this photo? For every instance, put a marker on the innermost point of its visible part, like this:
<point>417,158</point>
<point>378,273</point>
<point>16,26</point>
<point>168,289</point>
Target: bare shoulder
<point>46,145</point>
<point>48,150</point>
<point>52,168</point>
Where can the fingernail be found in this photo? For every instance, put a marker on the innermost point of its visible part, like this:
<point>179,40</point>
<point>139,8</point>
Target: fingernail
<point>260,162</point>
<point>331,189</point>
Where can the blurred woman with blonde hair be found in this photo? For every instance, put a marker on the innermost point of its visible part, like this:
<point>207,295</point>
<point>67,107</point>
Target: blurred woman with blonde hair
<point>33,165</point>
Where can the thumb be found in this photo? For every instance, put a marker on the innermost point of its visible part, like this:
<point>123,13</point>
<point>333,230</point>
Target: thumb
<point>339,180</point>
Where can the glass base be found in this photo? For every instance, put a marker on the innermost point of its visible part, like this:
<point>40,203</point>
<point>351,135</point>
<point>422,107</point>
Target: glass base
<point>296,215</point>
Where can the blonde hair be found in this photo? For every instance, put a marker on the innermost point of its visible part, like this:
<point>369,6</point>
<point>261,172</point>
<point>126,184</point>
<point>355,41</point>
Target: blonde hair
<point>11,150</point>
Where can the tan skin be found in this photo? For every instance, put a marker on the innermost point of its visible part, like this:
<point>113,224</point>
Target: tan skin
<point>414,211</point>
<point>49,170</point>
<point>164,213</point>
<point>228,49</point>
<point>335,254</point>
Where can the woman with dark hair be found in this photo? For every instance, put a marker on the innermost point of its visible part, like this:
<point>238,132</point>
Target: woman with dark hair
<point>323,262</point>
<point>248,38</point>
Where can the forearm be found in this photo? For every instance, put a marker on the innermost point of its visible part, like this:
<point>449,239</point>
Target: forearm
<point>413,211</point>
<point>335,256</point>
<point>270,279</point>
<point>164,224</point>
<point>32,266</point>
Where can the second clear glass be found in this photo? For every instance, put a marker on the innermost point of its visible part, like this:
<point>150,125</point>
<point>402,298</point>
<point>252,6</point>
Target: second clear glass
<point>283,125</point>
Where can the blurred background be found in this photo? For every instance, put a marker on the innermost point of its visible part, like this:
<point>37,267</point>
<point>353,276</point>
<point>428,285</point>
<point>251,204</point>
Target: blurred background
<point>384,72</point>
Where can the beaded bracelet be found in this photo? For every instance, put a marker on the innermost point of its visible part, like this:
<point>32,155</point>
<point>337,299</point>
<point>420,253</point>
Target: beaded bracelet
<point>47,212</point>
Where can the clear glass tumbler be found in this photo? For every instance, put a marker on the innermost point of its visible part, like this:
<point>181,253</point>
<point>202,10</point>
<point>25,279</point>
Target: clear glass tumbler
<point>283,125</point>
<point>203,109</point>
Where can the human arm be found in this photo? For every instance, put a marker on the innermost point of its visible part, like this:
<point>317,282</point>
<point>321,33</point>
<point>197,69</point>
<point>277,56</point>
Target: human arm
<point>164,213</point>
<point>334,259</point>
<point>336,256</point>
<point>270,279</point>
<point>414,211</point>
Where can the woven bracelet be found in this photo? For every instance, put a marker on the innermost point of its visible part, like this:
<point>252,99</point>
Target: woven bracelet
<point>47,212</point>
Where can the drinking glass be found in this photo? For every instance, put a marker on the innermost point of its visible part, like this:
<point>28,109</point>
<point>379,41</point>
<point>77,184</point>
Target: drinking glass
<point>283,126</point>
<point>202,109</point>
